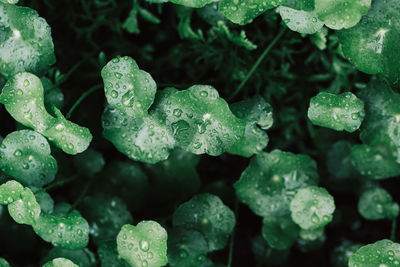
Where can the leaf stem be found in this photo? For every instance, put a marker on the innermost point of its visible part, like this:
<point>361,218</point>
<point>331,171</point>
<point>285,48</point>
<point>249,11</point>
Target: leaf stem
<point>60,183</point>
<point>82,97</point>
<point>258,62</point>
<point>231,243</point>
<point>393,232</point>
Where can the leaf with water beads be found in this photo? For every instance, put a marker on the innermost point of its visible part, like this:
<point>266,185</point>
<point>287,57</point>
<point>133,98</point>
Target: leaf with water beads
<point>376,203</point>
<point>300,21</point>
<point>207,214</point>
<point>63,229</point>
<point>271,179</point>
<point>26,41</point>
<point>82,257</point>
<point>25,210</point>
<point>244,11</point>
<point>201,121</point>
<point>25,155</point>
<point>127,88</point>
<point>337,112</point>
<point>192,3</point>
<point>339,14</point>
<point>312,207</point>
<point>143,245</point>
<point>60,262</point>
<point>380,253</point>
<point>10,191</point>
<point>374,162</point>
<point>186,247</point>
<point>23,98</point>
<point>280,232</point>
<point>371,45</point>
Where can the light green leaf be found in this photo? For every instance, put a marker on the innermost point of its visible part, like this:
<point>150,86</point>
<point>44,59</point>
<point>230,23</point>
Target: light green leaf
<point>244,11</point>
<point>207,214</point>
<point>143,245</point>
<point>186,247</point>
<point>271,179</point>
<point>192,3</point>
<point>300,21</point>
<point>312,207</point>
<point>82,257</point>
<point>380,253</point>
<point>311,234</point>
<point>201,121</point>
<point>25,155</point>
<point>9,1</point>
<point>25,210</point>
<point>63,229</point>
<point>127,88</point>
<point>4,263</point>
<point>371,45</point>
<point>376,203</point>
<point>10,192</point>
<point>338,14</point>
<point>338,112</point>
<point>280,232</point>
<point>373,162</point>
<point>26,43</point>
<point>60,262</point>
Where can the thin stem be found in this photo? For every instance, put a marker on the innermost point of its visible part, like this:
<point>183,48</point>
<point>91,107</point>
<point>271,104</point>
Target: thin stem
<point>231,243</point>
<point>393,232</point>
<point>60,183</point>
<point>83,193</point>
<point>258,62</point>
<point>82,97</point>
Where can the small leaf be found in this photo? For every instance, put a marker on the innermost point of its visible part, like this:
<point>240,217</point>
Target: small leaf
<point>127,88</point>
<point>271,179</point>
<point>186,247</point>
<point>312,207</point>
<point>25,210</point>
<point>60,262</point>
<point>301,21</point>
<point>376,203</point>
<point>25,155</point>
<point>82,257</point>
<point>26,43</point>
<point>280,232</point>
<point>380,253</point>
<point>143,245</point>
<point>338,112</point>
<point>207,214</point>
<point>10,192</point>
<point>338,14</point>
<point>371,44</point>
<point>63,229</point>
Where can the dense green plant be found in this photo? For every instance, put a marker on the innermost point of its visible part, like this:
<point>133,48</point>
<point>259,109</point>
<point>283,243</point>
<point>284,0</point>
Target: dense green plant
<point>173,165</point>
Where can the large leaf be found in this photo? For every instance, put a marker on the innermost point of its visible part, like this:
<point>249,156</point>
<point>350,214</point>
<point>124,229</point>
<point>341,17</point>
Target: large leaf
<point>380,253</point>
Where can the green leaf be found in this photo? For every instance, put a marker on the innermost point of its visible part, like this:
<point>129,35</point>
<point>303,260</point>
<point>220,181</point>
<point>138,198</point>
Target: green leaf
<point>201,121</point>
<point>4,263</point>
<point>108,255</point>
<point>45,201</point>
<point>127,88</point>
<point>312,207</point>
<point>376,203</point>
<point>338,112</point>
<point>221,30</point>
<point>244,11</point>
<point>82,257</point>
<point>341,254</point>
<point>319,39</point>
<point>338,160</point>
<point>271,179</point>
<point>338,14</point>
<point>23,98</point>
<point>52,94</point>
<point>380,253</point>
<point>89,163</point>
<point>207,214</point>
<point>25,210</point>
<point>280,232</point>
<point>192,3</point>
<point>60,262</point>
<point>300,21</point>
<point>10,192</point>
<point>371,44</point>
<point>106,215</point>
<point>25,155</point>
<point>63,229</point>
<point>373,162</point>
<point>9,1</point>
<point>26,43</point>
<point>186,247</point>
<point>311,234</point>
<point>144,139</point>
<point>143,245</point>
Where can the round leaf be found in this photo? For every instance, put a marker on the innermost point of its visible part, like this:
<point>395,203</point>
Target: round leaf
<point>280,232</point>
<point>376,203</point>
<point>380,253</point>
<point>300,21</point>
<point>82,257</point>
<point>60,262</point>
<point>25,210</point>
